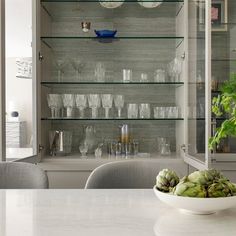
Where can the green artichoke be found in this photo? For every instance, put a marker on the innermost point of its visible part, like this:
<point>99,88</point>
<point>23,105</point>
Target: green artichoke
<point>205,177</point>
<point>232,188</point>
<point>189,189</point>
<point>166,180</point>
<point>220,189</point>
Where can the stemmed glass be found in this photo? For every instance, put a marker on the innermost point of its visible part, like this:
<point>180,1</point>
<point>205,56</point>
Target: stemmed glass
<point>60,64</point>
<point>77,66</point>
<point>100,72</point>
<point>81,103</point>
<point>94,102</point>
<point>68,103</point>
<point>119,103</point>
<point>107,100</point>
<point>55,104</point>
<point>83,149</point>
<point>175,69</point>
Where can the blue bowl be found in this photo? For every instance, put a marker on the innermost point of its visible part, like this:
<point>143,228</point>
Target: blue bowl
<point>105,33</point>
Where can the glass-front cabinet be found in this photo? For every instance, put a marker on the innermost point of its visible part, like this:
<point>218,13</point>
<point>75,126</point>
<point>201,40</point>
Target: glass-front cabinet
<point>211,65</point>
<point>112,78</point>
<point>132,79</point>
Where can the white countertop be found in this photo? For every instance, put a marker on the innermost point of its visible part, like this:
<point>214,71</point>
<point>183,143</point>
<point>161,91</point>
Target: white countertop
<point>102,213</point>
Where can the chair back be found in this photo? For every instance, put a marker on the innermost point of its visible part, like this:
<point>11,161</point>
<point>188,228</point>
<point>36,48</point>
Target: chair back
<point>131,174</point>
<point>19,175</point>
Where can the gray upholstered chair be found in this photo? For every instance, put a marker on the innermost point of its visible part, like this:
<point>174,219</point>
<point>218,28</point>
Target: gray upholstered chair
<point>131,174</point>
<point>18,175</point>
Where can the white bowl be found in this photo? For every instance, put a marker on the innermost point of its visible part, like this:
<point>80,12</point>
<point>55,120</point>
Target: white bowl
<point>149,4</point>
<point>111,5</point>
<point>200,206</point>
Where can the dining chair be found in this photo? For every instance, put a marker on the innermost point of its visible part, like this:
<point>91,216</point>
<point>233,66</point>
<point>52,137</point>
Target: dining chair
<point>19,175</point>
<point>134,174</point>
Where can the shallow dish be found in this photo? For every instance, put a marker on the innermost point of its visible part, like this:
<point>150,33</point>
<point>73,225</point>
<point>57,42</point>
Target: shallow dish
<point>148,4</point>
<point>109,4</point>
<point>200,206</point>
<point>105,33</point>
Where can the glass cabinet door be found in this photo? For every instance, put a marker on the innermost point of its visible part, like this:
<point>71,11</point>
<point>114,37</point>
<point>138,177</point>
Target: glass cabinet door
<point>223,71</point>
<point>197,114</point>
<point>20,81</point>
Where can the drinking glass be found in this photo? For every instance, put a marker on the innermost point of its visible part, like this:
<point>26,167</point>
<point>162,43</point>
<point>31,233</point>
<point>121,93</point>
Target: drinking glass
<point>144,110</point>
<point>165,149</point>
<point>160,76</point>
<point>81,103</point>
<point>159,112</point>
<point>68,103</point>
<point>175,69</point>
<point>100,72</point>
<point>60,64</point>
<point>77,66</point>
<point>83,148</point>
<point>160,142</point>
<point>171,112</point>
<point>127,75</point>
<point>107,100</point>
<point>144,77</point>
<point>55,104</point>
<point>119,103</point>
<point>132,110</point>
<point>94,102</point>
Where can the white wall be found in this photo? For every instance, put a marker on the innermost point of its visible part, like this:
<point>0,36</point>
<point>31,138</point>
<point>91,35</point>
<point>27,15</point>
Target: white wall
<point>18,28</point>
<point>18,44</point>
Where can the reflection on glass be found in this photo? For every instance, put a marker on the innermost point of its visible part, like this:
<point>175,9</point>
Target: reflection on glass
<point>19,99</point>
<point>196,91</point>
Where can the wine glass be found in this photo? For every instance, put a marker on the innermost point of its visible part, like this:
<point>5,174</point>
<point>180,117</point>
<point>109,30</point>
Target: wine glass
<point>177,69</point>
<point>94,102</point>
<point>100,72</point>
<point>119,103</point>
<point>68,103</point>
<point>83,148</point>
<point>55,104</point>
<point>107,100</point>
<point>60,64</point>
<point>77,66</point>
<point>81,103</point>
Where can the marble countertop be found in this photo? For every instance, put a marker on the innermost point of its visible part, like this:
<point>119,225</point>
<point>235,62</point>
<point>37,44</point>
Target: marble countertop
<point>103,212</point>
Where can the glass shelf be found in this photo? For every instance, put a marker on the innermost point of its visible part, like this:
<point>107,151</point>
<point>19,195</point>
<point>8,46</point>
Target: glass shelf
<point>112,43</point>
<point>164,1</point>
<point>52,84</point>
<point>110,119</point>
<point>203,119</point>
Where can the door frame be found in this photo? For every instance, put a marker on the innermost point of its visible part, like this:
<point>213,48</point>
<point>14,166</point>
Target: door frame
<point>189,159</point>
<point>34,158</point>
<point>2,82</point>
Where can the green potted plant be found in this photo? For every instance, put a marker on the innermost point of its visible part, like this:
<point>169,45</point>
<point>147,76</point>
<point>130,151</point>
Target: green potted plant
<point>225,104</point>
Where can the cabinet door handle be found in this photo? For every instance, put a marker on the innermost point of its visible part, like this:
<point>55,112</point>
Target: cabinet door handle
<point>40,56</point>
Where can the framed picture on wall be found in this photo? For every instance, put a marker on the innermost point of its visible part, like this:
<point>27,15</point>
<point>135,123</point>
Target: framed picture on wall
<point>24,68</point>
<point>219,15</point>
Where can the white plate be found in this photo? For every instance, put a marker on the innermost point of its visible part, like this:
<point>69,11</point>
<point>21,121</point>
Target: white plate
<point>149,4</point>
<point>111,5</point>
<point>200,206</point>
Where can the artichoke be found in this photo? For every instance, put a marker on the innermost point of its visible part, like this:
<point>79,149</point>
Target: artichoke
<point>166,180</point>
<point>220,189</point>
<point>205,177</point>
<point>189,189</point>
